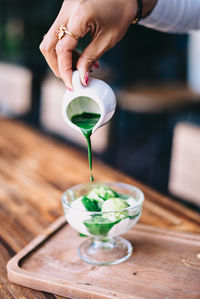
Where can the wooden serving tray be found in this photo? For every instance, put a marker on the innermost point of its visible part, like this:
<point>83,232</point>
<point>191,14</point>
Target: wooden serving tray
<point>164,264</point>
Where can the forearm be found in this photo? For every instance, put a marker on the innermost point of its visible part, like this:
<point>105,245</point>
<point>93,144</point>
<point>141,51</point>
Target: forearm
<point>173,15</point>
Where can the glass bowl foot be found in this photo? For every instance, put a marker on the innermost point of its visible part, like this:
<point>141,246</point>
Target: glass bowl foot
<point>105,251</point>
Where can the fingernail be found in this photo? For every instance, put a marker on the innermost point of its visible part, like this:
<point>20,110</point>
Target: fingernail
<point>96,65</point>
<point>69,88</point>
<point>86,78</point>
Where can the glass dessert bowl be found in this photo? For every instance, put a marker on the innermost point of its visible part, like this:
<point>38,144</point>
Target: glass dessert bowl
<point>103,211</point>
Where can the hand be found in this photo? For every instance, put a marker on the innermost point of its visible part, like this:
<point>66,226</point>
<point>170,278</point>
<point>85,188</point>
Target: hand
<point>107,20</point>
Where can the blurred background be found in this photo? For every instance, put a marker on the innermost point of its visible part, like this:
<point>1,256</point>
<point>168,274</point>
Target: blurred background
<point>155,133</point>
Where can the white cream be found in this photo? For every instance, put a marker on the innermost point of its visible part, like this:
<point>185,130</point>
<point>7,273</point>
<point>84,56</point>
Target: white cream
<point>131,201</point>
<point>119,228</point>
<point>76,215</point>
<point>78,205</point>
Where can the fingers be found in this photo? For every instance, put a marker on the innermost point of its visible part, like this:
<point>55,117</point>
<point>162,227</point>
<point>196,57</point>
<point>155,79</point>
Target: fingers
<point>64,50</point>
<point>90,55</point>
<point>47,46</point>
<point>80,17</point>
<point>66,45</point>
<point>58,53</point>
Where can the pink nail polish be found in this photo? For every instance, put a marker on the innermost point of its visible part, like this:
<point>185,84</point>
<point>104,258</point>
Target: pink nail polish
<point>86,78</point>
<point>96,65</point>
<point>69,88</point>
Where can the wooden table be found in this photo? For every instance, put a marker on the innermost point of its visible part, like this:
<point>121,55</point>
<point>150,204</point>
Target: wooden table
<point>34,171</point>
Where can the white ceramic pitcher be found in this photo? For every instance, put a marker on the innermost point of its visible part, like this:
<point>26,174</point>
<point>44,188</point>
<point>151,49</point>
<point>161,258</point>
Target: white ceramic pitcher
<point>97,97</point>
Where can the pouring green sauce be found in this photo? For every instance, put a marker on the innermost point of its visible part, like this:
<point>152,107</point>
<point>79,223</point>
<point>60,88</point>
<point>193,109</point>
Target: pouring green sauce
<point>86,122</point>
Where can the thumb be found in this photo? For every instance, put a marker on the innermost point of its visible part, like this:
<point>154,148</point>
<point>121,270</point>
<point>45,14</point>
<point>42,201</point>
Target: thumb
<point>89,58</point>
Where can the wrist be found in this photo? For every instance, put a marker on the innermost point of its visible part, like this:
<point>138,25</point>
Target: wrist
<point>144,8</point>
<point>148,6</point>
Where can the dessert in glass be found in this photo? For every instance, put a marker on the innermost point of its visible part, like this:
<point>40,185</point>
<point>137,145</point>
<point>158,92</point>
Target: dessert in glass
<point>103,211</point>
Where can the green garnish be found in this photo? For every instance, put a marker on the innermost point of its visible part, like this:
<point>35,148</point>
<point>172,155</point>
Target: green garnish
<point>102,192</point>
<point>89,204</point>
<point>124,196</point>
<point>82,235</point>
<point>99,226</point>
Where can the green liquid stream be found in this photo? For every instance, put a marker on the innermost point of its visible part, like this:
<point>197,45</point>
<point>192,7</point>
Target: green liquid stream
<point>86,122</point>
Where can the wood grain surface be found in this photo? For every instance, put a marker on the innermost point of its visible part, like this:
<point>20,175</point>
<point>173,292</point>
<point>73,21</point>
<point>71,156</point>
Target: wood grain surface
<point>34,171</point>
<point>163,262</point>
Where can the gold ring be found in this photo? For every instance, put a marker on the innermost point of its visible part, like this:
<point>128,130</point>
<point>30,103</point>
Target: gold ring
<point>60,33</point>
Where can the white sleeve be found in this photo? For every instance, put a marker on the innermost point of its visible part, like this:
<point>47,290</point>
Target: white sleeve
<point>179,16</point>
